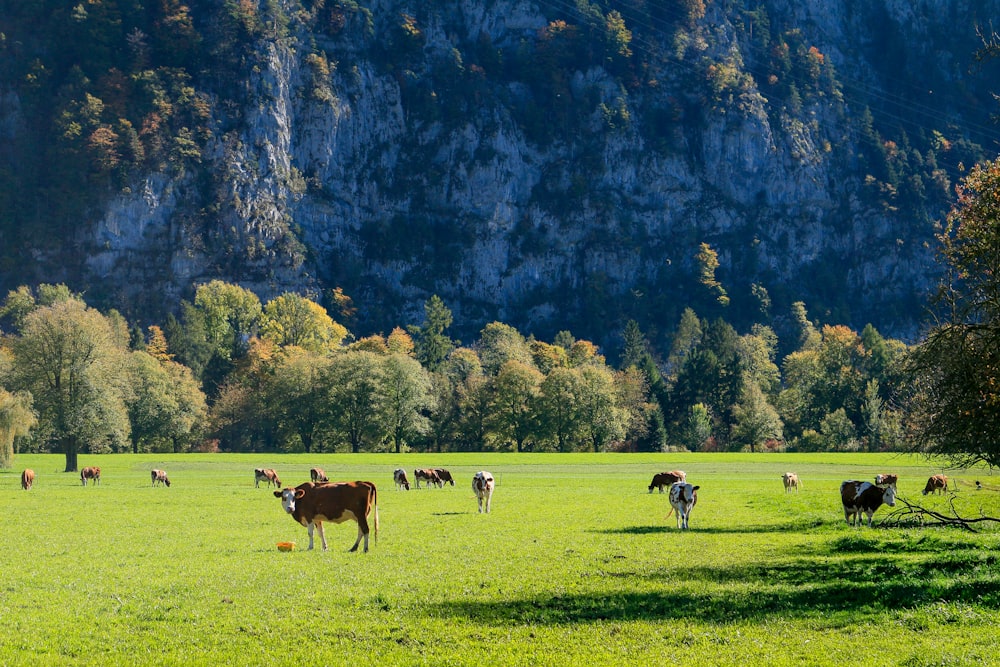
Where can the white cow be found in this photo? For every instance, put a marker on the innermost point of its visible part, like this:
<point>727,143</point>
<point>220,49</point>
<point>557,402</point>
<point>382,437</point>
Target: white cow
<point>683,497</point>
<point>791,481</point>
<point>482,485</point>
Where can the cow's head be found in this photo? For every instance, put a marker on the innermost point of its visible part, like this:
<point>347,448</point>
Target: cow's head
<point>288,498</point>
<point>889,496</point>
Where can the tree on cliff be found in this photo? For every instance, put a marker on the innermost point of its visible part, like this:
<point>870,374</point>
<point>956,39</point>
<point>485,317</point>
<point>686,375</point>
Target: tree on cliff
<point>956,406</point>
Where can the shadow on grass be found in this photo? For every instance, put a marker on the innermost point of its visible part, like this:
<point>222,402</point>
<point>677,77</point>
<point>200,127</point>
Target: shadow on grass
<point>851,580</point>
<point>670,527</point>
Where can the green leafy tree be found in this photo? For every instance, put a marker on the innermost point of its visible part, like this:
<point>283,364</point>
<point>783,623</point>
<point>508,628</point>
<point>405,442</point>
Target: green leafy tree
<point>955,404</point>
<point>515,389</point>
<point>559,408</point>
<point>67,357</point>
<point>756,421</point>
<point>697,428</point>
<point>16,419</point>
<point>165,403</point>
<point>291,319</point>
<point>500,343</point>
<point>635,345</point>
<point>406,396</point>
<point>601,419</point>
<point>354,389</point>
<point>296,392</point>
<point>232,316</point>
<point>431,345</point>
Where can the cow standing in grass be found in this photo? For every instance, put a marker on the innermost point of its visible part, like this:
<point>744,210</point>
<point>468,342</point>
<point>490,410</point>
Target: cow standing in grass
<point>312,504</point>
<point>266,475</point>
<point>938,483</point>
<point>399,477</point>
<point>791,481</point>
<point>318,475</point>
<point>482,486</point>
<point>429,476</point>
<point>663,480</point>
<point>90,472</point>
<point>444,476</point>
<point>683,498</point>
<point>159,477</point>
<point>864,498</point>
<point>27,478</point>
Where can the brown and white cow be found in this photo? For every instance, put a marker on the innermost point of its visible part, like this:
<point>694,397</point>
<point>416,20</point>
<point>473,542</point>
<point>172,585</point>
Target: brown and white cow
<point>266,475</point>
<point>791,481</point>
<point>159,477</point>
<point>444,476</point>
<point>318,475</point>
<point>683,498</point>
<point>399,476</point>
<point>665,479</point>
<point>27,478</point>
<point>311,504</point>
<point>90,472</point>
<point>937,483</point>
<point>482,486</point>
<point>428,475</point>
<point>886,479</point>
<point>864,498</point>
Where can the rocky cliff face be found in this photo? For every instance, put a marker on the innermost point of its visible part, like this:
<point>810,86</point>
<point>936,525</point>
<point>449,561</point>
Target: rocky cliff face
<point>406,149</point>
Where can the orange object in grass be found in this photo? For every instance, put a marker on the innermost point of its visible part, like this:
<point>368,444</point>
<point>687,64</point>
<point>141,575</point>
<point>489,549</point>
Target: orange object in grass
<point>286,546</point>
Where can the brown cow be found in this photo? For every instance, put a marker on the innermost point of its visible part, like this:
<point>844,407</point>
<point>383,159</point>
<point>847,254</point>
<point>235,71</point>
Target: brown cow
<point>318,475</point>
<point>159,477</point>
<point>791,481</point>
<point>665,479</point>
<point>266,475</point>
<point>27,478</point>
<point>428,475</point>
<point>399,476</point>
<point>444,476</point>
<point>937,483</point>
<point>312,504</point>
<point>864,497</point>
<point>886,479</point>
<point>90,472</point>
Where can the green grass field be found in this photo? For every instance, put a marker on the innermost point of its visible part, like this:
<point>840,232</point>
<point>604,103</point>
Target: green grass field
<point>576,565</point>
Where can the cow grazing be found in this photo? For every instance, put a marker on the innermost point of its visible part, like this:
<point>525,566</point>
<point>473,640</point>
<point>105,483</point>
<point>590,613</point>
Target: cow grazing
<point>886,480</point>
<point>311,504</point>
<point>482,486</point>
<point>864,498</point>
<point>683,498</point>
<point>90,472</point>
<point>399,476</point>
<point>429,476</point>
<point>444,476</point>
<point>318,475</point>
<point>665,479</point>
<point>266,475</point>
<point>937,483</point>
<point>791,481</point>
<point>27,478</point>
<point>159,477</point>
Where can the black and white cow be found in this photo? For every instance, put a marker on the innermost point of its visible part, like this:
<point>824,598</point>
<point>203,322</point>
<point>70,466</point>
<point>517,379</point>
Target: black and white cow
<point>864,498</point>
<point>683,498</point>
<point>399,476</point>
<point>482,486</point>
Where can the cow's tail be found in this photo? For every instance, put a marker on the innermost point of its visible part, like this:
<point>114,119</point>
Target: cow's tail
<point>375,509</point>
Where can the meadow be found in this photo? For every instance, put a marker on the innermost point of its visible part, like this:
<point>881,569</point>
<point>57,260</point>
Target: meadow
<point>577,565</point>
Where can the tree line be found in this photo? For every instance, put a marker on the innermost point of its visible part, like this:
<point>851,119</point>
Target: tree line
<point>234,374</point>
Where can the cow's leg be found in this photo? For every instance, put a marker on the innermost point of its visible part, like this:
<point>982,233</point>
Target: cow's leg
<point>309,528</point>
<point>362,532</point>
<point>322,535</point>
<point>489,501</point>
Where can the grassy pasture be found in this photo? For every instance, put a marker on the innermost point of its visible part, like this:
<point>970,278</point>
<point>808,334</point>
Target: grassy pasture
<point>577,565</point>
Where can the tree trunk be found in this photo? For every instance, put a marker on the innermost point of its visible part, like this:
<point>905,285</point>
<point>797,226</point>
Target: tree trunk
<point>69,447</point>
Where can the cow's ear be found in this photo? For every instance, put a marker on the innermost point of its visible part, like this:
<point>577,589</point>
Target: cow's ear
<point>299,493</point>
<point>695,487</point>
<point>278,494</point>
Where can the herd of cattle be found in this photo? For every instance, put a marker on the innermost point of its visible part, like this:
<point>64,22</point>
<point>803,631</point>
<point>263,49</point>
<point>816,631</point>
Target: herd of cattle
<point>318,500</point>
<point>858,498</point>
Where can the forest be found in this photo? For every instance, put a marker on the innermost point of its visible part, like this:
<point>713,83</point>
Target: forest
<point>236,375</point>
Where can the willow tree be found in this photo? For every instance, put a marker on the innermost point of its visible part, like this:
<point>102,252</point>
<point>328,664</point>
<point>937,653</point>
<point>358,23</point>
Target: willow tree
<point>16,418</point>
